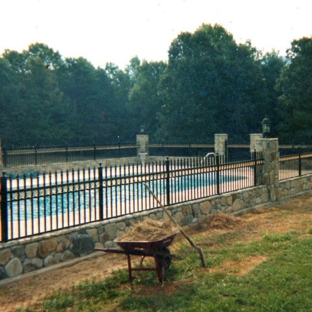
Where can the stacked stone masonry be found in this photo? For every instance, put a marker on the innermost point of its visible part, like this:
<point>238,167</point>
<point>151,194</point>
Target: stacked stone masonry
<point>26,255</point>
<point>220,145</point>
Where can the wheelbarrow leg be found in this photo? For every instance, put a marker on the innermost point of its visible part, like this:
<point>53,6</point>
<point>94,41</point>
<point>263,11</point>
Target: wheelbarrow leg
<point>140,265</point>
<point>160,269</point>
<point>129,267</point>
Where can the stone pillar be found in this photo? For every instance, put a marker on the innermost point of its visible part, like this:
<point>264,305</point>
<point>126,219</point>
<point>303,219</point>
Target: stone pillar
<point>254,146</point>
<point>220,145</point>
<point>142,150</point>
<point>270,171</point>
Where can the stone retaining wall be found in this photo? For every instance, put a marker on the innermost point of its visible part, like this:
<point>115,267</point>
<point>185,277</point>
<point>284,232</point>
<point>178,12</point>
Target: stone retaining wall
<point>25,255</point>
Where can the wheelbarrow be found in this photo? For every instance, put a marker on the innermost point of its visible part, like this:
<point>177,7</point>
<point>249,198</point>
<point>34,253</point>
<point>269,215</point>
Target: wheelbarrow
<point>157,249</point>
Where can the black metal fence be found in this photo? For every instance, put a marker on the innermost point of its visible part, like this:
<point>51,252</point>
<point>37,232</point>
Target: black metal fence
<point>294,149</point>
<point>180,150</point>
<point>295,165</point>
<point>34,155</point>
<point>45,155</point>
<point>32,205</point>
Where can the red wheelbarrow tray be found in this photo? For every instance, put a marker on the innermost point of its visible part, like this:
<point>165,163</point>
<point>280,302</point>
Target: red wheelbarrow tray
<point>149,246</point>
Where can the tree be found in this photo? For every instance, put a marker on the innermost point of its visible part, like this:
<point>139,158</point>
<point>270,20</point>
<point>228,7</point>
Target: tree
<point>38,105</point>
<point>211,85</point>
<point>8,102</point>
<point>295,102</point>
<point>48,57</point>
<point>118,116</point>
<point>41,104</point>
<point>271,65</point>
<point>58,101</point>
<point>144,101</point>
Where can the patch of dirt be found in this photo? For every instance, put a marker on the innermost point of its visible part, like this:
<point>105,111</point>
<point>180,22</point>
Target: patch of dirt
<point>239,267</point>
<point>293,215</point>
<point>25,290</point>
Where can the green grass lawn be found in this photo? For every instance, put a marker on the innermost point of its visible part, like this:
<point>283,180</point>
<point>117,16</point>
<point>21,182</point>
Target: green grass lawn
<point>281,281</point>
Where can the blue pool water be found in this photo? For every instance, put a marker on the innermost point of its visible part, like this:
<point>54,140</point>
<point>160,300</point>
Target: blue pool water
<point>61,201</point>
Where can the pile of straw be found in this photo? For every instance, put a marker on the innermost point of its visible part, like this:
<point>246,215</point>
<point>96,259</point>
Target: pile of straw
<point>149,230</point>
<point>223,221</point>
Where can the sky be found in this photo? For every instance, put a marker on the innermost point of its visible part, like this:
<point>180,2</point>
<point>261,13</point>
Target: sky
<point>104,31</point>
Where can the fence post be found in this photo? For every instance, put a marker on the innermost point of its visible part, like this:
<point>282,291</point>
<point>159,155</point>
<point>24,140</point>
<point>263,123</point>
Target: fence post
<point>66,152</point>
<point>4,208</point>
<point>270,170</point>
<point>142,141</point>
<point>221,146</point>
<point>94,151</point>
<point>168,181</point>
<point>218,173</point>
<point>36,156</point>
<point>101,200</point>
<point>1,151</point>
<point>119,151</point>
<point>4,160</point>
<point>299,159</point>
<point>255,166</point>
<point>254,137</point>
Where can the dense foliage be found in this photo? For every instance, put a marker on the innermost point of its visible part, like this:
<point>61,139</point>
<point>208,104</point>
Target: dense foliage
<point>212,85</point>
<point>209,85</point>
<point>295,88</point>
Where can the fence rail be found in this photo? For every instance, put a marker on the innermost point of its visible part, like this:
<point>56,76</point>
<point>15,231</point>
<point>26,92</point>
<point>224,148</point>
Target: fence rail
<point>40,156</point>
<point>295,165</point>
<point>44,155</point>
<point>32,205</point>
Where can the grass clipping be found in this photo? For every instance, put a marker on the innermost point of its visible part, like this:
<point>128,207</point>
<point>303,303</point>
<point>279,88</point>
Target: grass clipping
<point>149,230</point>
<point>223,221</point>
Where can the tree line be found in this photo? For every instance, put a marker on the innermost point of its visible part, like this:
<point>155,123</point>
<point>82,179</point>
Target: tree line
<point>210,84</point>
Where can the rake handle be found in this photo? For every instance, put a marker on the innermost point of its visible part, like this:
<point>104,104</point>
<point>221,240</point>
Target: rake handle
<point>179,227</point>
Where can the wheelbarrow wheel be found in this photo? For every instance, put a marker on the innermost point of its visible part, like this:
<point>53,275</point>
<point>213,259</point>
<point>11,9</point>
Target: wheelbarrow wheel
<point>164,261</point>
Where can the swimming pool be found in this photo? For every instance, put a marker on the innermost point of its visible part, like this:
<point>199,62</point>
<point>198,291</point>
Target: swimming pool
<point>58,201</point>
<point>40,203</point>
